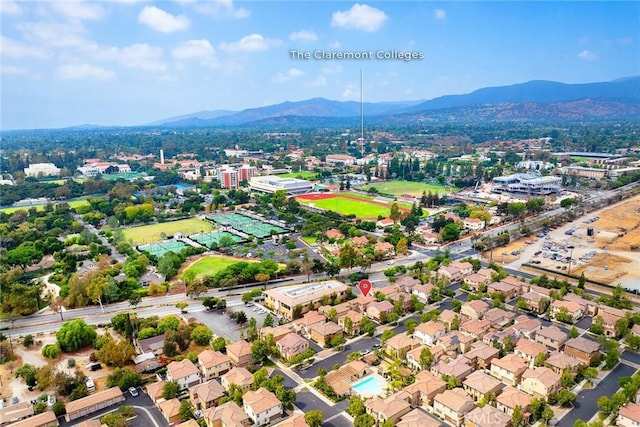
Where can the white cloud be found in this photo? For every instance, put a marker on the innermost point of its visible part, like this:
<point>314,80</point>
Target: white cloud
<point>331,68</point>
<point>13,70</point>
<point>349,94</point>
<point>78,9</point>
<point>625,40</point>
<point>588,55</point>
<point>193,49</point>
<point>83,71</point>
<point>251,43</point>
<point>440,14</point>
<point>222,9</point>
<point>53,34</point>
<point>10,7</point>
<point>335,45</point>
<point>303,35</point>
<point>289,75</point>
<point>139,55</point>
<point>359,17</point>
<point>164,22</point>
<point>320,81</point>
<point>16,49</point>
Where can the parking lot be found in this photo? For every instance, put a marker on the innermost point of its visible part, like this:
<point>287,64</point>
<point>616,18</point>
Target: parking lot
<point>222,325</point>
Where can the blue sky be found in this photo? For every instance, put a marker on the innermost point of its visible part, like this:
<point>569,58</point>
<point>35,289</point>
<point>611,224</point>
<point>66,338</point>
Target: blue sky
<point>130,62</point>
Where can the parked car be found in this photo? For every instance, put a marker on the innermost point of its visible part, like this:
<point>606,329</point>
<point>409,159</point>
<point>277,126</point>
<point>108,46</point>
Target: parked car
<point>133,392</point>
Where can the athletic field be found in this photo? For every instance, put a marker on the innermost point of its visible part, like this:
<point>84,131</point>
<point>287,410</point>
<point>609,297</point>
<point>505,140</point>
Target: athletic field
<point>398,188</point>
<point>309,175</point>
<point>212,264</point>
<point>349,204</point>
<point>152,233</point>
<point>72,204</point>
<point>158,249</point>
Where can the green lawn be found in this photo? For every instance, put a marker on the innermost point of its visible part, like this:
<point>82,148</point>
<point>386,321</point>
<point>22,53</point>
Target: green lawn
<point>349,206</point>
<point>398,188</point>
<point>211,265</point>
<point>300,174</point>
<point>152,233</point>
<point>310,240</point>
<point>72,204</point>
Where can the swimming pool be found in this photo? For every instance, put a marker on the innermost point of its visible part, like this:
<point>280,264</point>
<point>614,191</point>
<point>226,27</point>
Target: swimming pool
<point>372,385</point>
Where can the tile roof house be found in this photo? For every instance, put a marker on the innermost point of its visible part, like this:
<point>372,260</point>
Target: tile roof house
<point>474,309</point>
<point>527,326</point>
<point>213,364</point>
<point>185,373</point>
<point>499,317</point>
<point>571,308</point>
<point>429,332</point>
<point>465,267</point>
<point>398,345</point>
<point>487,416</point>
<point>323,333</point>
<point>523,287</point>
<point>455,342</point>
<point>16,412</point>
<point>534,302</point>
<point>481,354</point>
<point>378,309</point>
<point>417,418</point>
<point>510,398</point>
<point>407,283</point>
<point>590,308</point>
<point>45,419</point>
<point>422,291</point>
<point>278,332</point>
<point>413,356</point>
<point>425,388</point>
<point>473,224</point>
<point>240,353</point>
<point>359,241</point>
<point>447,317</point>
<point>476,280</point>
<point>629,415</point>
<point>155,391</point>
<point>560,362</point>
<point>452,406</point>
<point>552,337</point>
<point>334,233</point>
<point>308,320</point>
<point>384,247</point>
<point>238,376</point>
<point>509,291</point>
<point>529,350</point>
<point>509,369</point>
<point>390,408</point>
<point>355,328</point>
<point>451,273</point>
<point>479,385</point>
<point>92,403</point>
<point>582,348</point>
<point>292,345</point>
<point>540,382</point>
<point>458,368</point>
<point>610,316</point>
<point>262,406</point>
<point>226,415</point>
<point>475,328</point>
<point>206,395</point>
<point>295,420</point>
<point>170,410</point>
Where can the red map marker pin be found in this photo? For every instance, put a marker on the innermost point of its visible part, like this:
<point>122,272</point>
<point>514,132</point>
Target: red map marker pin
<point>365,287</point>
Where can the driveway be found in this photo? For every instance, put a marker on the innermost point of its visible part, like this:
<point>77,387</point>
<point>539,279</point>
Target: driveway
<point>585,405</point>
<point>584,323</point>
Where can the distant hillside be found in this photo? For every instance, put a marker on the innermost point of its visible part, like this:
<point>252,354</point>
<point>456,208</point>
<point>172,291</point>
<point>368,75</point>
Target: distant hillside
<point>195,117</point>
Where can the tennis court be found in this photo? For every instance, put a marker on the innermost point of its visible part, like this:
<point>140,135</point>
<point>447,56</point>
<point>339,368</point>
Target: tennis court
<point>248,225</point>
<point>212,238</point>
<point>158,249</point>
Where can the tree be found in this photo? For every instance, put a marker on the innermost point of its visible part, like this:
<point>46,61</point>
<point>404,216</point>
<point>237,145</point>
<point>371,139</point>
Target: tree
<point>201,335</point>
<point>170,390</point>
<point>517,418</point>
<point>186,410</point>
<point>450,232</point>
<point>314,417</point>
<point>604,404</point>
<point>114,419</point>
<point>563,398</point>
<point>347,256</point>
<point>168,323</point>
<point>389,333</point>
<point>426,358</point>
<point>547,415</point>
<point>368,327</point>
<point>356,406</point>
<point>268,320</point>
<point>395,213</point>
<point>364,420</point>
<point>590,374</point>
<point>262,278</point>
<point>95,289</point>
<point>540,358</point>
<point>402,246</point>
<point>252,332</point>
<point>582,281</point>
<point>114,353</point>
<point>75,335</point>
<point>573,333</point>
<point>196,288</point>
<point>135,300</point>
<point>258,351</point>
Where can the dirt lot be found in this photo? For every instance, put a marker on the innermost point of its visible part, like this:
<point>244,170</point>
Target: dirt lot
<point>624,221</point>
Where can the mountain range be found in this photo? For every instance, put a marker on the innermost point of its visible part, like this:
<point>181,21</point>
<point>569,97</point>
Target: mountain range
<point>536,100</point>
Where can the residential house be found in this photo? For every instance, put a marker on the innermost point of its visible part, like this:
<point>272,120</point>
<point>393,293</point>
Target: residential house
<point>475,281</point>
<point>540,382</point>
<point>534,302</point>
<point>526,326</point>
<point>407,283</point>
<point>430,238</point>
<point>509,369</point>
<point>425,388</point>
<point>510,398</point>
<point>226,415</point>
<point>153,345</point>
<point>552,337</point>
<point>610,316</point>
<point>475,328</point>
<point>379,310</point>
<point>277,332</point>
<point>308,320</point>
<point>481,355</point>
<point>45,419</point>
<point>458,368</point>
<point>262,406</point>
<point>323,333</point>
<point>429,332</point>
<point>341,379</point>
<point>155,391</point>
<point>92,403</point>
<point>213,364</point>
<point>451,273</point>
<point>184,372</point>
<point>590,308</point>
<point>452,406</point>
<point>498,336</point>
<point>359,241</point>
<point>398,345</point>
<point>447,317</point>
<point>479,385</point>
<point>206,395</point>
<point>466,268</point>
<point>582,348</point>
<point>385,248</point>
<point>240,353</point>
<point>560,362</point>
<point>417,418</point>
<point>292,345</point>
<point>413,356</point>
<point>423,292</point>
<point>629,415</point>
<point>295,420</point>
<point>473,224</point>
<point>354,325</point>
<point>455,342</point>
<point>334,234</point>
<point>238,376</point>
<point>385,222</point>
<point>15,412</point>
<point>487,416</point>
<point>390,408</point>
<point>523,287</point>
<point>170,410</point>
<point>529,350</point>
<point>499,318</point>
<point>474,309</point>
<point>509,291</point>
<point>361,303</point>
<point>570,308</point>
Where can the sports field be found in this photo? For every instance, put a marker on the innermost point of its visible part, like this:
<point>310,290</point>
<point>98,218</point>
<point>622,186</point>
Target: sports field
<point>152,233</point>
<point>158,249</point>
<point>349,204</point>
<point>72,204</point>
<point>301,174</point>
<point>212,264</point>
<point>212,238</point>
<point>398,188</point>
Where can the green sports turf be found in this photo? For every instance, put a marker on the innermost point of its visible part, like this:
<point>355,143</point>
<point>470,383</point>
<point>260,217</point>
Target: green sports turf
<point>398,188</point>
<point>152,233</point>
<point>302,175</point>
<point>211,265</point>
<point>360,209</point>
<point>72,204</point>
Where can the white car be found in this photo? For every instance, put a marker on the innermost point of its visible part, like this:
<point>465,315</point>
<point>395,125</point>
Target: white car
<point>133,392</point>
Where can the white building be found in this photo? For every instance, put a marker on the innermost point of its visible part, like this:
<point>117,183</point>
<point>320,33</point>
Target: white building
<point>534,165</point>
<point>185,373</point>
<point>38,170</point>
<point>340,159</point>
<point>271,184</point>
<point>262,406</point>
<point>533,184</point>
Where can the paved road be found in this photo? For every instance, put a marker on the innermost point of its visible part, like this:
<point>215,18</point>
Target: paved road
<point>631,356</point>
<point>585,405</point>
<point>306,400</point>
<point>340,357</point>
